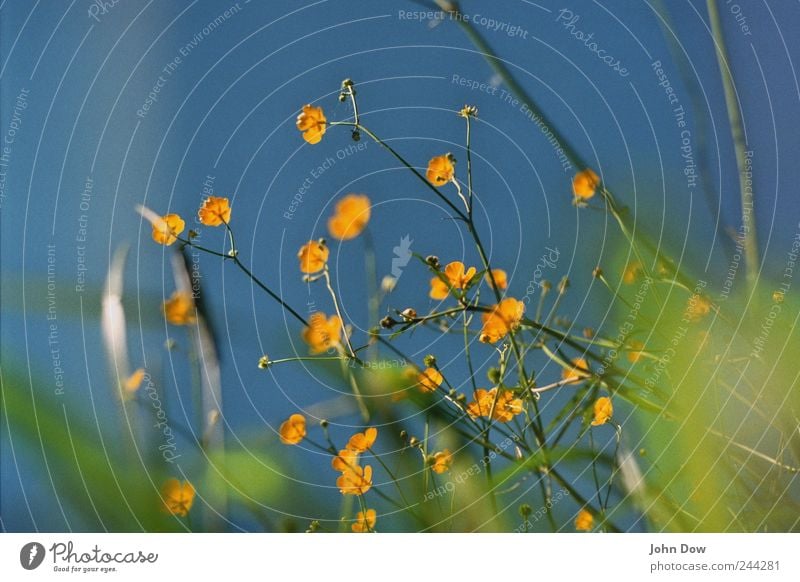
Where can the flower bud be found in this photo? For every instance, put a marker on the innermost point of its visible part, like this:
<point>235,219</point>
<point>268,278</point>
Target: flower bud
<point>429,361</point>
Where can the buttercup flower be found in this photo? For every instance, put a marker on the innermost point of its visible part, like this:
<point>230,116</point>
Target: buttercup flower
<point>585,184</point>
<point>506,408</point>
<point>365,521</point>
<point>350,218</point>
<point>177,496</point>
<point>322,333</point>
<point>179,309</point>
<point>355,481</point>
<point>429,380</point>
<point>293,430</point>
<point>312,123</point>
<point>584,521</point>
<point>579,369</point>
<point>215,211</point>
<point>346,460</point>
<point>441,170</point>
<point>442,461</point>
<point>500,278</point>
<point>167,228</point>
<point>504,318</point>
<point>361,441</point>
<point>602,411</point>
<point>313,255</point>
<point>458,277</point>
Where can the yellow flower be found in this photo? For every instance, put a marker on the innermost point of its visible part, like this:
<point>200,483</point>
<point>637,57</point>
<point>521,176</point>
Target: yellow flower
<point>504,318</point>
<point>631,272</point>
<point>361,441</point>
<point>506,408</point>
<point>313,255</point>
<point>179,309</point>
<point>355,481</point>
<point>579,369</point>
<point>585,183</point>
<point>442,461</point>
<point>602,410</point>
<point>365,521</point>
<point>351,217</point>
<point>441,170</point>
<point>457,276</point>
<point>635,351</point>
<point>698,307</point>
<point>584,521</point>
<point>167,228</point>
<point>214,211</point>
<point>312,123</point>
<point>429,380</point>
<point>133,381</point>
<point>322,334</point>
<point>346,460</point>
<point>293,430</point>
<point>500,278</point>
<point>177,496</point>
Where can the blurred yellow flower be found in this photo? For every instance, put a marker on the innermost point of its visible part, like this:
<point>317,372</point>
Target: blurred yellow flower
<point>504,317</point>
<point>346,460</point>
<point>585,183</point>
<point>635,349</point>
<point>355,481</point>
<point>584,521</point>
<point>579,369</point>
<point>179,309</point>
<point>293,430</point>
<point>429,380</point>
<point>500,278</point>
<point>442,461</point>
<point>312,123</point>
<point>350,218</point>
<point>313,255</point>
<point>215,211</point>
<point>441,170</point>
<point>322,333</point>
<point>631,272</point>
<point>361,441</point>
<point>365,521</point>
<point>506,408</point>
<point>458,277</point>
<point>133,381</point>
<point>602,411</point>
<point>698,307</point>
<point>177,496</point>
<point>167,228</point>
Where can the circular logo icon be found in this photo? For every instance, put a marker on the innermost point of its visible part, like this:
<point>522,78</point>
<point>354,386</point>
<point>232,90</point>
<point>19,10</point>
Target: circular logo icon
<point>31,555</point>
